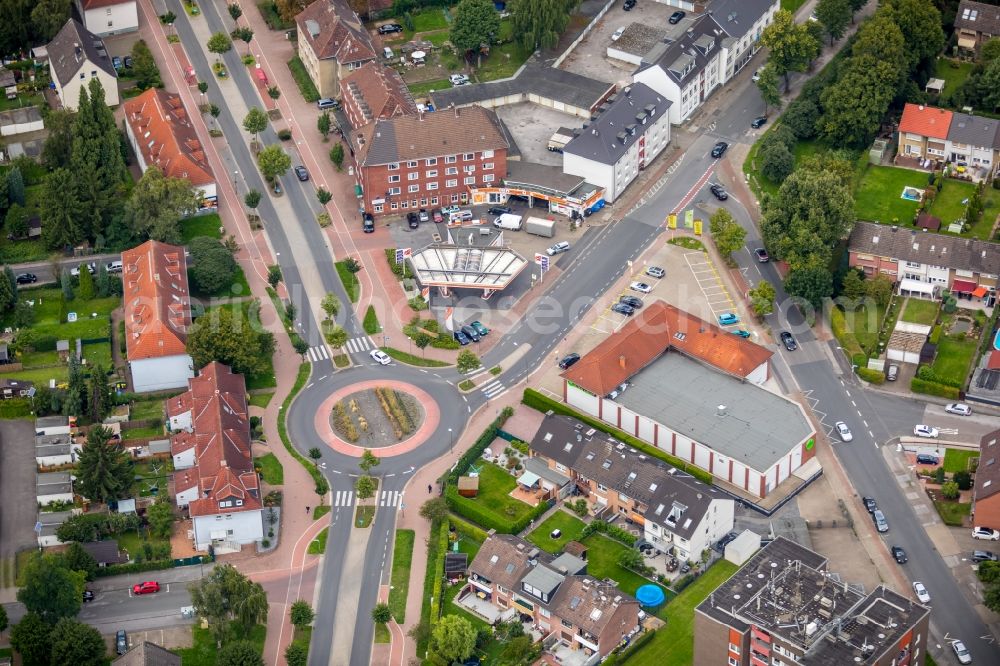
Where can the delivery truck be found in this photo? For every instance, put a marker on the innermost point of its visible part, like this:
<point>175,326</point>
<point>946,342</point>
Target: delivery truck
<point>508,221</point>
<point>540,227</point>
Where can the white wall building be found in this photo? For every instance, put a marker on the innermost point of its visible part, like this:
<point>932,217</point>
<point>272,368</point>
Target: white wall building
<point>109,17</point>
<point>53,487</point>
<point>76,56</point>
<point>672,527</point>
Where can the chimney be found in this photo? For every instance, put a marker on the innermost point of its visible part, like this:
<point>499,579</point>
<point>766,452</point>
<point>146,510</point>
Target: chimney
<point>420,114</point>
<point>621,361</point>
<point>456,112</point>
<point>720,411</point>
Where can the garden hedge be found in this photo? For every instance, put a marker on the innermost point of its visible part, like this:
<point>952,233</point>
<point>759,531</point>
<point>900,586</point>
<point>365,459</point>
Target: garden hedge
<point>135,567</point>
<point>476,450</point>
<point>439,542</point>
<point>871,376</point>
<point>932,388</point>
<point>486,517</point>
<point>468,529</point>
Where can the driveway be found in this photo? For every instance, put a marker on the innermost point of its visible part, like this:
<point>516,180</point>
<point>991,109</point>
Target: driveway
<point>17,493</point>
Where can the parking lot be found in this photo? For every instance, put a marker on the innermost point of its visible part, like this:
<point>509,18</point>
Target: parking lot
<point>532,126</point>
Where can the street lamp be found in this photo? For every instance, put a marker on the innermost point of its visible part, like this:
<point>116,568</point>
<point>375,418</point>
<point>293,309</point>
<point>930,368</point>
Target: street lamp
<point>451,435</point>
<point>236,188</point>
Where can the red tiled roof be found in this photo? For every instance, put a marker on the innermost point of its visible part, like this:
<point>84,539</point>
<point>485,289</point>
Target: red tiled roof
<point>925,121</point>
<point>373,92</point>
<point>166,138</point>
<point>336,32</point>
<point>157,304</point>
<point>657,328</point>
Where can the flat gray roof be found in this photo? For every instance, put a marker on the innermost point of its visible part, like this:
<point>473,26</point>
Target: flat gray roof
<point>759,428</point>
<point>472,267</point>
<point>544,177</point>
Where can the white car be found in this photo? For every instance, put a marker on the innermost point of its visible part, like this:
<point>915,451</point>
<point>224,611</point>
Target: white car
<point>843,431</point>
<point>959,408</point>
<point>380,357</point>
<point>925,431</point>
<point>91,267</point>
<point>923,596</point>
<point>458,79</point>
<point>961,652</point>
<point>558,248</point>
<point>655,271</point>
<point>987,533</point>
<point>641,287</point>
<point>618,33</point>
<point>448,210</point>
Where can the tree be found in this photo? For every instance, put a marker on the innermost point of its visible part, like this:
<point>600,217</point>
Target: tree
<point>47,17</point>
<point>255,122</point>
<point>315,453</point>
<point>105,471</point>
<point>213,267</point>
<point>74,642</point>
<point>244,34</point>
<point>368,461</point>
<point>301,614</point>
<point>467,361</point>
<point>801,118</point>
<point>226,595</point>
<point>156,203</point>
<point>220,336</point>
<point>988,52</point>
<point>336,337</point>
<point>30,637</point>
<point>252,199</point>
<point>76,558</point>
<point>453,638</point>
<point>66,282</point>
<point>58,145</point>
<point>235,11</point>
<point>76,394</point>
<point>15,187</point>
<point>540,22</point>
<point>811,284</point>
<point>631,559</point>
<point>323,125</point>
<point>726,232</point>
<point>949,490</point>
<point>920,23</point>
<point>273,162</point>
<point>287,9</point>
<point>519,650</point>
<point>381,614</point>
<point>330,305</point>
<point>144,69</point>
<point>434,509</point>
<point>16,221</point>
<point>274,93</point>
<point>791,46</point>
<point>834,15</point>
<point>987,86</point>
<point>8,296</point>
<point>776,162</point>
<point>86,288</point>
<point>324,196</point>
<point>4,622</point>
<point>99,394</point>
<point>989,571</point>
<point>219,43</point>
<point>962,479</point>
<point>853,285</point>
<point>296,654</point>
<point>161,518</point>
<point>365,487</point>
<point>856,103</point>
<point>762,299</point>
<point>880,289</point>
<point>274,275</point>
<point>239,653</point>
<point>421,340</point>
<point>337,155</point>
<point>50,589</point>
<point>476,23</point>
<point>767,83</point>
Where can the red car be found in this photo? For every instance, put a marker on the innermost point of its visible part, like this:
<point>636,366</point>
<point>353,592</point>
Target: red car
<point>147,587</point>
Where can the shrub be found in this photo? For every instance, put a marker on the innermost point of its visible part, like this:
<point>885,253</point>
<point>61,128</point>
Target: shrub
<point>950,490</point>
<point>580,507</point>
<point>476,450</point>
<point>871,376</point>
<point>927,373</point>
<point>776,162</point>
<point>801,118</point>
<point>302,80</point>
<point>938,475</point>
<point>613,531</point>
<point>919,385</point>
<point>963,480</point>
<point>134,567</point>
<point>285,134</point>
<point>402,270</point>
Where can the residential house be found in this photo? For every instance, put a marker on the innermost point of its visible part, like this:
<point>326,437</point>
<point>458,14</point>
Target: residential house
<point>924,263</point>
<point>109,17</point>
<point>53,487</point>
<point>783,606</point>
<point>374,92</point>
<point>612,150</point>
<point>743,21</point>
<point>972,143</point>
<point>572,610</point>
<point>15,388</point>
<point>692,389</point>
<point>976,23</point>
<point>678,513</point>
<point>332,41</point>
<point>76,56</point>
<point>429,159</point>
<point>157,316</point>
<point>106,552</point>
<point>923,133</point>
<point>986,492</point>
<point>161,134</point>
<point>148,654</point>
<point>215,478</point>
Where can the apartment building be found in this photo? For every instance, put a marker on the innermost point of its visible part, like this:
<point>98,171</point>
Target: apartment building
<point>109,17</point>
<point>373,92</point>
<point>986,493</point>
<point>332,41</point>
<point>743,22</point>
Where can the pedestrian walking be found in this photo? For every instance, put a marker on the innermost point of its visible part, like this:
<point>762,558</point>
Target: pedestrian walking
<point>430,489</point>
<point>307,509</point>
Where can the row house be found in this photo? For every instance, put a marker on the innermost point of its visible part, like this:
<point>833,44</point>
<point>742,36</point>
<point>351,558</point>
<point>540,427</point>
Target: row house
<point>924,263</point>
<point>568,607</point>
<point>934,137</point>
<point>332,41</point>
<point>428,159</point>
<point>678,513</point>
<point>976,23</point>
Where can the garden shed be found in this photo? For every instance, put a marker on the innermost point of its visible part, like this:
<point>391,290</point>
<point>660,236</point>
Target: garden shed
<point>877,152</point>
<point>468,486</point>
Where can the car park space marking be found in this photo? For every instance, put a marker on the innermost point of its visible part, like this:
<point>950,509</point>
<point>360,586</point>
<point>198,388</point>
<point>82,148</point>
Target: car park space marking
<point>719,301</point>
<point>358,345</point>
<point>318,353</point>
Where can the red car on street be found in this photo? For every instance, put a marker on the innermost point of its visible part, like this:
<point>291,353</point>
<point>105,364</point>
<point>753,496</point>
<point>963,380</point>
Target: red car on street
<point>147,587</point>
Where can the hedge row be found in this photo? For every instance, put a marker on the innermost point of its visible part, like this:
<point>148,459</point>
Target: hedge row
<point>476,450</point>
<point>439,544</point>
<point>927,373</point>
<point>486,517</point>
<point>135,567</point>
<point>846,338</point>
<point>933,388</point>
<point>536,400</point>
<point>871,376</point>
<point>613,531</point>
<point>322,486</point>
<point>621,657</point>
<point>466,528</point>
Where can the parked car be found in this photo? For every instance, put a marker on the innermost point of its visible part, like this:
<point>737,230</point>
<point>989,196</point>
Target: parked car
<point>621,308</point>
<point>788,341</point>
<point>470,333</point>
<point>655,271</point>
<point>458,79</point>
<point>424,215</point>
<point>146,587</point>
<point>675,18</point>
<point>75,271</point>
<point>617,33</point>
<point>380,357</point>
<point>327,103</point>
<point>412,220</point>
<point>987,533</point>
<point>719,192</point>
<point>629,4</point>
<point>893,373</point>
<point>461,337</point>
<point>121,642</point>
<point>881,524</point>
<point>558,248</point>
<point>925,431</point>
<point>719,149</point>
<point>461,216</point>
<point>115,266</point>
<point>728,319</point>
<point>448,210</point>
<point>276,187</point>
<point>479,328</point>
<point>568,360</point>
<point>367,223</point>
<point>436,215</point>
<point>743,333</point>
<point>758,122</point>
<point>869,503</point>
<point>983,556</point>
<point>898,554</point>
<point>389,28</point>
<point>500,210</point>
<point>959,408</point>
<point>301,173</point>
<point>762,255</point>
<point>961,652</point>
<point>641,287</point>
<point>116,62</point>
<point>27,278</point>
<point>632,301</point>
<point>923,596</point>
<point>843,431</point>
<point>927,459</point>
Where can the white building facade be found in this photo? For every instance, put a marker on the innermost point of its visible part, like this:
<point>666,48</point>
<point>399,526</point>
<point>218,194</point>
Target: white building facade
<point>715,524</point>
<point>109,17</point>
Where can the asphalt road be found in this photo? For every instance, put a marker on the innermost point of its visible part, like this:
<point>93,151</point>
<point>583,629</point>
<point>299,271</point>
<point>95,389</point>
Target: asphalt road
<point>46,271</point>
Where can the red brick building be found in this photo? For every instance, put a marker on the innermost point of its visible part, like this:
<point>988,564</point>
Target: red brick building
<point>986,494</point>
<point>374,92</point>
<point>428,159</point>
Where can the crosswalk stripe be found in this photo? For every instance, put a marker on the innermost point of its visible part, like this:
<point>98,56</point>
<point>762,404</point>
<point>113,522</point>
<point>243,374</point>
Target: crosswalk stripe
<point>358,345</point>
<point>343,498</point>
<point>493,388</point>
<point>390,497</point>
<point>318,353</point>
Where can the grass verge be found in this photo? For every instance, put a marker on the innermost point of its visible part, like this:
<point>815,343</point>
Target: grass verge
<point>322,486</point>
<point>402,557</point>
<point>320,511</point>
<point>466,385</point>
<point>349,280</point>
<point>687,243</point>
<point>410,359</point>
<point>364,515</point>
<point>261,399</point>
<point>271,470</point>
<point>318,545</point>
<point>953,513</point>
<point>382,634</point>
<point>370,323</point>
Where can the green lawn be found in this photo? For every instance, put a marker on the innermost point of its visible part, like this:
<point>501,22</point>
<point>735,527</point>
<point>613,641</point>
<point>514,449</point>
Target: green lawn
<point>349,280</point>
<point>200,225</point>
<point>320,511</point>
<point>148,432</point>
<point>571,528</point>
<point>318,545</point>
<point>425,87</point>
<point>947,205</point>
<point>919,311</point>
<point>494,485</point>
<point>382,634</point>
<point>503,60</point>
<point>602,562</point>
<point>204,652</point>
<point>370,323</point>
<point>991,209</point>
<point>437,38</point>
<point>954,74</point>
<point>954,354</point>
<point>16,252</point>
<point>413,359</point>
<point>22,101</point>
<point>132,542</point>
<point>429,19</point>
<point>264,379</point>
<point>402,556</point>
<point>364,515</point>
<point>271,469</point>
<point>673,645</point>
<point>957,460</point>
<point>261,399</point>
<point>879,197</point>
<point>792,5</point>
<point>146,409</point>
<point>953,513</point>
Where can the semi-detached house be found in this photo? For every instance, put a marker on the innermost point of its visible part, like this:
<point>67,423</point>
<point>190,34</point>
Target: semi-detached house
<point>332,41</point>
<point>76,56</point>
<point>976,23</point>
<point>109,17</point>
<point>934,137</point>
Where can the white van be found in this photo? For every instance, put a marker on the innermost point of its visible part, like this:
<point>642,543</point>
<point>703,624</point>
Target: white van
<point>387,53</point>
<point>508,221</point>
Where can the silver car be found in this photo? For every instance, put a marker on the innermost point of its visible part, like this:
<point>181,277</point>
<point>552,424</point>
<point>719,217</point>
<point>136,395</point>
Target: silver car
<point>843,431</point>
<point>961,652</point>
<point>558,248</point>
<point>959,408</point>
<point>656,272</point>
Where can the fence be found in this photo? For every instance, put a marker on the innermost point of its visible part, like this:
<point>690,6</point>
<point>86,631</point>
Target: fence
<point>586,31</point>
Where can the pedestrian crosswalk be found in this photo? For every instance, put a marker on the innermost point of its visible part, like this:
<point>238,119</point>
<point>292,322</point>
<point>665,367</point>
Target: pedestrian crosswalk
<point>357,345</point>
<point>318,353</point>
<point>494,389</point>
<point>383,498</point>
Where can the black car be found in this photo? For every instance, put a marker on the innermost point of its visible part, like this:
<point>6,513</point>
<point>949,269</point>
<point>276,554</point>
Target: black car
<point>983,556</point>
<point>719,149</point>
<point>389,28</point>
<point>128,62</point>
<point>470,333</point>
<point>368,223</point>
<point>898,554</point>
<point>869,503</point>
<point>461,338</point>
<point>675,18</point>
<point>632,301</point>
<point>26,278</point>
<point>622,308</point>
<point>719,192</point>
<point>788,341</point>
<point>758,122</point>
<point>568,360</point>
<point>501,210</point>
<point>301,173</point>
<point>413,220</point>
<point>629,4</point>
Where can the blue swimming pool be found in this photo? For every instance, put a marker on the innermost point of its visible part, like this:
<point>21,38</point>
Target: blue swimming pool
<point>996,340</point>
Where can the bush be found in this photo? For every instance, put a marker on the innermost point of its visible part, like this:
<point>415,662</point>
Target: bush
<point>919,385</point>
<point>613,531</point>
<point>950,490</point>
<point>776,162</point>
<point>801,118</point>
<point>402,271</point>
<point>871,376</point>
<point>927,373</point>
<point>935,336</point>
<point>302,80</point>
<point>285,134</point>
<point>779,135</point>
<point>963,480</point>
<point>134,567</point>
